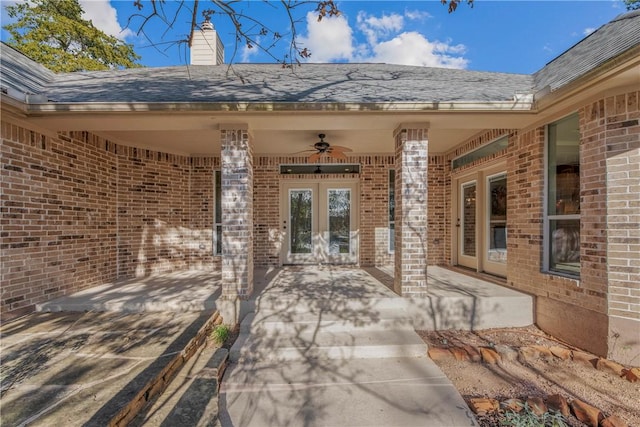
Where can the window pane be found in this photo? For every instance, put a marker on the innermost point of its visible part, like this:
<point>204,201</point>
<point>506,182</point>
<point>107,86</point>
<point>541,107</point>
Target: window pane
<point>392,209</point>
<point>392,195</point>
<point>339,221</point>
<point>484,151</point>
<point>564,167</point>
<point>498,219</point>
<point>565,245</point>
<point>469,220</point>
<point>218,239</point>
<point>300,220</point>
<point>218,198</point>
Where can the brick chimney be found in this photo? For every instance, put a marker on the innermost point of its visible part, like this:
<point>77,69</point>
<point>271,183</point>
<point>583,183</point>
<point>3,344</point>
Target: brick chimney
<point>206,47</point>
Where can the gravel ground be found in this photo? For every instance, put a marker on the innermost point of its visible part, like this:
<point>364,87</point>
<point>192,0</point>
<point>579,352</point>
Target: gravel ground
<point>534,378</point>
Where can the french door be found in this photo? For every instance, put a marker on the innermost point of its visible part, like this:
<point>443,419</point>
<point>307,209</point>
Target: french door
<point>481,221</point>
<point>319,222</point>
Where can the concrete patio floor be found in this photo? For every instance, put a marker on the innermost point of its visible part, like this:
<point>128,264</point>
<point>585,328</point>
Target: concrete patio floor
<point>360,319</point>
<point>454,300</point>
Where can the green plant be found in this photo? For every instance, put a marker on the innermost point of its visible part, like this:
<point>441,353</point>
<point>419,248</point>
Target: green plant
<point>220,333</point>
<point>526,418</point>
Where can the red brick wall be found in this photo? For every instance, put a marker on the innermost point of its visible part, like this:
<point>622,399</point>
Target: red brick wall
<point>68,199</point>
<point>153,207</point>
<point>201,215</point>
<point>58,215</point>
<point>439,241</point>
<point>611,191</point>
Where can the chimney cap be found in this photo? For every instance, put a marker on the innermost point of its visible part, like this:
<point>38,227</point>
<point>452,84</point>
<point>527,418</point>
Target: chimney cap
<point>206,25</point>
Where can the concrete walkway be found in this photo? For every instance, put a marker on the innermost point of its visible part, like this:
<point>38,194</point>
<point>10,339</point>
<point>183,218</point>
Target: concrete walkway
<point>332,346</point>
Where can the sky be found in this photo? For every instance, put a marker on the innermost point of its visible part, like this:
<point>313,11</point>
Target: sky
<point>502,36</point>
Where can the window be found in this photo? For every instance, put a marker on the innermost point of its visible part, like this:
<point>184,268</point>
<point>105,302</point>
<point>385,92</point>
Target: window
<point>562,219</point>
<point>317,168</point>
<point>497,207</point>
<point>217,215</point>
<point>392,210</point>
<point>486,150</point>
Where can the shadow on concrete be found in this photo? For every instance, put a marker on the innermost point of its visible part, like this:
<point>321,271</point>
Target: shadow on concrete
<point>309,357</point>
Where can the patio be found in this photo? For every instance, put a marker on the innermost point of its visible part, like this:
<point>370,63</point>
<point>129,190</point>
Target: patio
<point>454,300</point>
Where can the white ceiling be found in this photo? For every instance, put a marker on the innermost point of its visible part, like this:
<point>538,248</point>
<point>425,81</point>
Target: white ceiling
<point>276,133</point>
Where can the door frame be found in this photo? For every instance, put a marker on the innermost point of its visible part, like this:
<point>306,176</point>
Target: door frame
<point>480,175</point>
<point>320,220</point>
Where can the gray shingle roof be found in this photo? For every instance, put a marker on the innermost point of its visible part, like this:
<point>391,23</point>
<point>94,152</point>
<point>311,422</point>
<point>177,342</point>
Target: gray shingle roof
<point>357,83</point>
<point>22,74</point>
<point>607,42</point>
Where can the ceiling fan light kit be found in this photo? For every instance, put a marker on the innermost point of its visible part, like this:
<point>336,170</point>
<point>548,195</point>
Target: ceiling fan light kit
<point>322,147</point>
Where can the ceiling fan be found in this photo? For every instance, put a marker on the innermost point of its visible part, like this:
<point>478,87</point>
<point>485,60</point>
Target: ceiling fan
<point>323,147</point>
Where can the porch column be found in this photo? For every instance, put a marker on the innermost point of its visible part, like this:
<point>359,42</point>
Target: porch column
<point>411,144</point>
<point>237,213</point>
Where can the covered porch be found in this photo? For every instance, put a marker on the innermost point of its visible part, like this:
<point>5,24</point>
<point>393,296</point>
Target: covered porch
<point>453,300</point>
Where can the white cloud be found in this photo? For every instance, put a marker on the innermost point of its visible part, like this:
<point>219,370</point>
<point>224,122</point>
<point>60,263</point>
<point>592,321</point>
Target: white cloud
<point>588,31</point>
<point>247,52</point>
<point>329,39</point>
<point>417,15</point>
<point>332,39</point>
<point>104,17</point>
<point>374,27</point>
<point>412,48</point>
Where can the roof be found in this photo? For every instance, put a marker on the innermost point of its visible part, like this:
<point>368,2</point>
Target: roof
<point>22,74</point>
<point>606,43</point>
<point>336,83</point>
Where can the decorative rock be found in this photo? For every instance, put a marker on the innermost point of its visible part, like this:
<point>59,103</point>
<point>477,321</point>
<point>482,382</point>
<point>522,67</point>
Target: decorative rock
<point>460,354</point>
<point>506,352</point>
<point>473,352</point>
<point>527,354</point>
<point>586,413</point>
<point>439,353</point>
<point>537,406</point>
<point>630,375</point>
<point>558,403</point>
<point>585,358</point>
<point>610,366</point>
<point>543,352</point>
<point>490,356</point>
<point>613,421</point>
<point>484,406</point>
<point>561,352</point>
<point>513,405</point>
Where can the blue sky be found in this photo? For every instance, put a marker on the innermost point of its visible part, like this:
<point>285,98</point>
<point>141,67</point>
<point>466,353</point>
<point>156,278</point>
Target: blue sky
<point>506,36</point>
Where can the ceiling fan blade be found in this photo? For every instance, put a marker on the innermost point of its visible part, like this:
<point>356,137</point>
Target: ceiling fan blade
<point>341,148</point>
<point>337,155</point>
<point>304,151</point>
<point>314,157</point>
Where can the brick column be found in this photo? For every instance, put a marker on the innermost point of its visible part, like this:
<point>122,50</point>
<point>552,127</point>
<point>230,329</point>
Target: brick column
<point>237,212</point>
<point>411,209</point>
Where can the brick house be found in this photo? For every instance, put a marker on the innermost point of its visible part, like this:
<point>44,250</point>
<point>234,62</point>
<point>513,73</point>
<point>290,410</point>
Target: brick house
<point>534,178</point>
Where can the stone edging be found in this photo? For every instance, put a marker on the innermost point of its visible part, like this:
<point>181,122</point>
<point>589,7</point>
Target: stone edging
<point>157,384</point>
<point>586,413</point>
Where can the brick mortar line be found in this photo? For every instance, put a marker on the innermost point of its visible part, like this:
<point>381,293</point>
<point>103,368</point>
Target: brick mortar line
<point>159,383</point>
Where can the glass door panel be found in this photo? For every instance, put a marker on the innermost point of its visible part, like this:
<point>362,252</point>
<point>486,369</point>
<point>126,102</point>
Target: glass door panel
<point>319,222</point>
<point>468,225</point>
<point>301,221</point>
<point>339,221</point>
